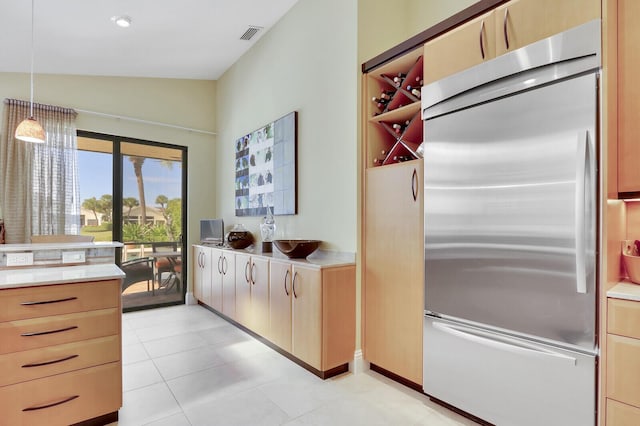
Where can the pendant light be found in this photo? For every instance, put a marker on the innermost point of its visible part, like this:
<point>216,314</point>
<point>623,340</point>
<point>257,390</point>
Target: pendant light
<point>29,130</point>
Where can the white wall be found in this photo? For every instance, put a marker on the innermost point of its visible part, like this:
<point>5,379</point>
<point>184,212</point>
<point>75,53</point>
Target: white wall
<point>307,62</point>
<point>187,103</point>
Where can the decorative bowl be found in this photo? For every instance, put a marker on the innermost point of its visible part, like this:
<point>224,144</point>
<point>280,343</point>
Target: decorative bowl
<point>631,260</point>
<point>297,248</point>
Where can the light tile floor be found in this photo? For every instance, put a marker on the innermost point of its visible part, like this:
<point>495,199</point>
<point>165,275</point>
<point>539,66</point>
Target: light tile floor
<point>183,365</point>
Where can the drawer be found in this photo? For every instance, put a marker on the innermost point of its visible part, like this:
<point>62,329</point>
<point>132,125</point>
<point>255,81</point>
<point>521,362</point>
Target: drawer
<point>22,335</point>
<point>37,363</point>
<point>63,399</point>
<point>619,414</point>
<point>42,301</point>
<point>623,369</point>
<point>623,317</point>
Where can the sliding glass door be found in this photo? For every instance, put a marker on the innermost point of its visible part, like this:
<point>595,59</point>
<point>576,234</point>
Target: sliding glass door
<point>145,211</point>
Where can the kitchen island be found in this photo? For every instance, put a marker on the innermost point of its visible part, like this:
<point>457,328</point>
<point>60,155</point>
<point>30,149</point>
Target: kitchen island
<point>60,334</point>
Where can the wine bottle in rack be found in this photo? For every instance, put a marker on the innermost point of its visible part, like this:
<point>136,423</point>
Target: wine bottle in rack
<point>398,128</point>
<point>416,93</point>
<point>402,158</point>
<point>380,100</point>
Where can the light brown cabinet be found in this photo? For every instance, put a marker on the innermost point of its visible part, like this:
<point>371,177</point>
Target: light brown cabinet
<point>203,257</point>
<point>394,265</point>
<point>628,96</point>
<point>510,26</point>
<point>60,351</point>
<point>522,22</point>
<point>313,313</point>
<point>623,362</point>
<point>463,47</point>
<point>252,293</point>
<point>223,282</point>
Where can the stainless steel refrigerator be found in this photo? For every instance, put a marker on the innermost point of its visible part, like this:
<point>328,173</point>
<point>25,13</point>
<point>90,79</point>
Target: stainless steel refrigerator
<point>510,176</point>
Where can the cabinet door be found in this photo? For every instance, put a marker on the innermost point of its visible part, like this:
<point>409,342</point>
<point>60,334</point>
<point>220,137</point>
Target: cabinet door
<point>280,304</point>
<point>307,315</point>
<point>197,273</point>
<point>461,48</point>
<point>394,269</point>
<point>619,414</point>
<point>522,22</point>
<point>243,289</point>
<point>623,369</point>
<point>207,268</point>
<point>217,260</point>
<point>260,296</point>
<point>628,95</point>
<point>228,266</point>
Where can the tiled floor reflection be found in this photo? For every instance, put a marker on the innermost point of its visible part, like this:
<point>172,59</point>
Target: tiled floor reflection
<point>183,365</point>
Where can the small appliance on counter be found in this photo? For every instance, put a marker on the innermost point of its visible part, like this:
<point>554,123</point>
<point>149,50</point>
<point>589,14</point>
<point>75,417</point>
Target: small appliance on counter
<point>239,237</point>
<point>631,259</point>
<point>268,230</point>
<point>212,231</point>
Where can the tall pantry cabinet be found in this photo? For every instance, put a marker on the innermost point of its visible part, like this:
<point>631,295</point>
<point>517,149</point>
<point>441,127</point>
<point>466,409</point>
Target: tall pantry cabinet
<point>392,232</point>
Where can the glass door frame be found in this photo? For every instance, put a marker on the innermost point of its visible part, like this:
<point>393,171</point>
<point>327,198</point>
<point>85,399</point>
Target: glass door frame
<point>117,212</point>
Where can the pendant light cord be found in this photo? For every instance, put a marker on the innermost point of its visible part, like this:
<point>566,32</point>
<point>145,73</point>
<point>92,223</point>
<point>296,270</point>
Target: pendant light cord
<point>32,42</point>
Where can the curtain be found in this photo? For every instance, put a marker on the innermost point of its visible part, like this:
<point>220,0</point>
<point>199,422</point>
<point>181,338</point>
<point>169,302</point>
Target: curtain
<point>39,182</point>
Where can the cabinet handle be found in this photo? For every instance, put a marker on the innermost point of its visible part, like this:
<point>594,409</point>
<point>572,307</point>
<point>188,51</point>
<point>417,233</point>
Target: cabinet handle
<point>41,333</point>
<point>246,272</point>
<point>225,265</point>
<point>45,302</point>
<point>293,285</point>
<point>53,404</point>
<point>253,277</point>
<point>285,283</point>
<point>414,185</point>
<point>203,260</point>
<point>482,39</point>
<point>220,264</point>
<point>55,361</point>
<point>504,27</point>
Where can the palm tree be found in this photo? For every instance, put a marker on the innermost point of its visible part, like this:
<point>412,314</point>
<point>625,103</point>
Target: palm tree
<point>137,169</point>
<point>163,201</point>
<point>93,205</point>
<point>130,202</point>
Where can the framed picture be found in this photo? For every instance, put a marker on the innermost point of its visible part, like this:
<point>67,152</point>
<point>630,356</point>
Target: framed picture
<point>266,169</point>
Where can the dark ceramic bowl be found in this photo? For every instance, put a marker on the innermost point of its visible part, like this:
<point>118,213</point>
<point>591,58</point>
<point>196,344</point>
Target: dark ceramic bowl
<point>297,248</point>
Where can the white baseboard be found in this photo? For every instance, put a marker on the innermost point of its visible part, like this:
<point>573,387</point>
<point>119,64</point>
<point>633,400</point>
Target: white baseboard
<point>190,299</point>
<point>358,365</point>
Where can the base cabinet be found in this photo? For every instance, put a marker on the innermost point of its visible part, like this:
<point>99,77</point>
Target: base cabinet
<point>203,257</point>
<point>619,414</point>
<point>313,313</point>
<point>60,356</point>
<point>223,282</point>
<point>393,286</point>
<point>252,293</point>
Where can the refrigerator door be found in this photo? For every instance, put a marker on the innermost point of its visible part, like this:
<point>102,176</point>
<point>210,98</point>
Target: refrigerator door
<point>505,380</point>
<point>510,228</point>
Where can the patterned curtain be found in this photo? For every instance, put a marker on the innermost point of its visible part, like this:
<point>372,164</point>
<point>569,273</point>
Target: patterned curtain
<point>39,182</point>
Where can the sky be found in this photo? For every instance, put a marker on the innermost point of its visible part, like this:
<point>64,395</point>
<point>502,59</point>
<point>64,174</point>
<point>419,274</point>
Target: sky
<point>95,172</point>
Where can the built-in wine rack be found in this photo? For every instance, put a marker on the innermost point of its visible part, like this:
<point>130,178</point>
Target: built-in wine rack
<point>392,105</point>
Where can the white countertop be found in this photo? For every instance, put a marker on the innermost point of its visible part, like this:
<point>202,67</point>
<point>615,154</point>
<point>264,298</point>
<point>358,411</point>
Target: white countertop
<point>54,246</point>
<point>27,277</point>
<point>625,290</point>
<point>318,259</point>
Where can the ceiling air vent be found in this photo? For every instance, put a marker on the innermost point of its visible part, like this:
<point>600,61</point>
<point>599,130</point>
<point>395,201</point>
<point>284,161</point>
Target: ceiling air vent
<point>251,31</point>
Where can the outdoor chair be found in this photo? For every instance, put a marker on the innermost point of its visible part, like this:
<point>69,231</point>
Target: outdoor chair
<point>137,270</point>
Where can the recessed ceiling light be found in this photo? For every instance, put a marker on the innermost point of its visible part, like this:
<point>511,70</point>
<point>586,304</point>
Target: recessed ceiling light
<point>122,21</point>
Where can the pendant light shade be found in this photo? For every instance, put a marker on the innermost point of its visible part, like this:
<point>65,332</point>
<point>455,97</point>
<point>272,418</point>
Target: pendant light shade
<point>30,130</point>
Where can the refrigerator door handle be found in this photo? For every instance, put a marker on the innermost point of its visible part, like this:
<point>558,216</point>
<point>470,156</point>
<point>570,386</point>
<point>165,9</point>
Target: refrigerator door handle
<point>502,343</point>
<point>580,213</point>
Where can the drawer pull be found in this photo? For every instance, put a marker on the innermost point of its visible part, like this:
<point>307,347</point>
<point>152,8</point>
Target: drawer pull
<point>46,302</point>
<point>53,404</point>
<point>40,333</point>
<point>55,361</point>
